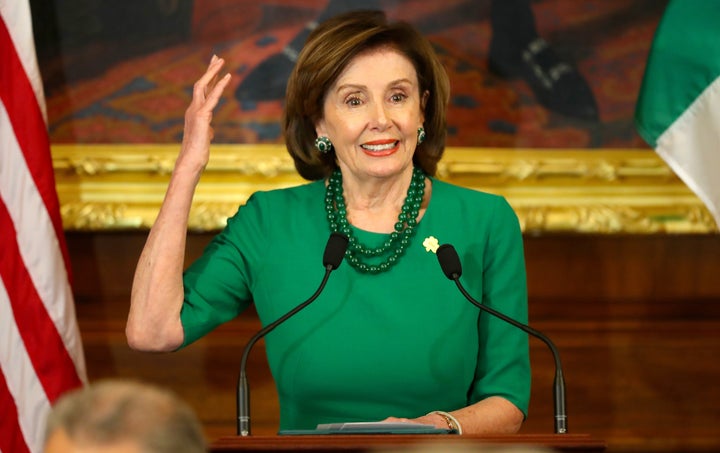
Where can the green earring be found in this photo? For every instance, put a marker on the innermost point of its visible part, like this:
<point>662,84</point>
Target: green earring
<point>421,135</point>
<point>323,144</point>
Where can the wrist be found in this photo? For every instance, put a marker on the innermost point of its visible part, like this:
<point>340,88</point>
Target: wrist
<point>449,419</point>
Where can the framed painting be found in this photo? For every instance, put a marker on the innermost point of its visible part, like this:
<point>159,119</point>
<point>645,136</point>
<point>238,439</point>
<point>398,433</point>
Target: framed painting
<point>541,109</point>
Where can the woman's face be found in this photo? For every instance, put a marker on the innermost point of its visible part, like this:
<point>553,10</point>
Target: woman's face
<point>371,115</point>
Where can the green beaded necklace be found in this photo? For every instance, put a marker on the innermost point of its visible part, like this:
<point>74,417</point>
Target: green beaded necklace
<point>397,242</point>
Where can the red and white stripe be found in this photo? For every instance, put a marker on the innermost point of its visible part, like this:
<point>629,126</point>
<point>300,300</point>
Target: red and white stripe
<point>41,353</point>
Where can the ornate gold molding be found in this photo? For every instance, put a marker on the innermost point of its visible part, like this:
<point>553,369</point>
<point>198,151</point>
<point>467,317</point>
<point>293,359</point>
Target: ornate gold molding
<point>106,187</point>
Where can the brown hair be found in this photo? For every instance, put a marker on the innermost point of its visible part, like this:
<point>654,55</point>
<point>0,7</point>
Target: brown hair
<point>329,49</point>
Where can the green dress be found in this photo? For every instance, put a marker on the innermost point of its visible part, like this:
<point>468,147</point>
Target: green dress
<point>400,343</point>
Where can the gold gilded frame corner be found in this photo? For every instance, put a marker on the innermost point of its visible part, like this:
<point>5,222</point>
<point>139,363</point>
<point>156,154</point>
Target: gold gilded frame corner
<point>111,187</point>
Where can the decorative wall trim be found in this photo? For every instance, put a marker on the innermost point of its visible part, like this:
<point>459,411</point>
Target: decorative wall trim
<point>110,187</point>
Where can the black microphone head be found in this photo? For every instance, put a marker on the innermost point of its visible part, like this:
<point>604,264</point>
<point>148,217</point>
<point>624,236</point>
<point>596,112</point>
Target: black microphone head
<point>335,250</point>
<point>449,261</point>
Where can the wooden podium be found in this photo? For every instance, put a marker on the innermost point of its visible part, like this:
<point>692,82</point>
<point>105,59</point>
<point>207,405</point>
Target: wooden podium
<point>395,442</point>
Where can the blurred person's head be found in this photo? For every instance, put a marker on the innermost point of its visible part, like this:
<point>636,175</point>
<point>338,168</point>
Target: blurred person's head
<point>115,416</point>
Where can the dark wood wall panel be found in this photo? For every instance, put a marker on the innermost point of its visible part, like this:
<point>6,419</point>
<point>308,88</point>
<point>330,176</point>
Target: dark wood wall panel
<point>636,319</point>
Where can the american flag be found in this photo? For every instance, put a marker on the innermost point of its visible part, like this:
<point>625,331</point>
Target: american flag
<point>41,353</point>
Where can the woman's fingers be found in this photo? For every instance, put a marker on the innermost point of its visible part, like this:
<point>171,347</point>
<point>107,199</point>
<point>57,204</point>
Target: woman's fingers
<point>396,420</point>
<point>218,87</point>
<point>208,90</point>
<point>207,84</point>
<point>198,132</point>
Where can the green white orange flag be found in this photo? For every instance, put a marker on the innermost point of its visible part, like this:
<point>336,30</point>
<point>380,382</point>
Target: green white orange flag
<point>678,110</point>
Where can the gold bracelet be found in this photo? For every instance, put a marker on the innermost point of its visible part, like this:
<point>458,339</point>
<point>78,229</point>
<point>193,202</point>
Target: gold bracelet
<point>451,421</point>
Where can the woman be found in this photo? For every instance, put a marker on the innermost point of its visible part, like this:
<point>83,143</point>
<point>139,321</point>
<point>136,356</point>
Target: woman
<point>390,338</point>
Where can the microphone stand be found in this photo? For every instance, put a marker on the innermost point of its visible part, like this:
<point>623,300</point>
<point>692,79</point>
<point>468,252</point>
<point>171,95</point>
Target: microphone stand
<point>334,252</point>
<point>243,393</point>
<point>452,268</point>
<point>559,381</point>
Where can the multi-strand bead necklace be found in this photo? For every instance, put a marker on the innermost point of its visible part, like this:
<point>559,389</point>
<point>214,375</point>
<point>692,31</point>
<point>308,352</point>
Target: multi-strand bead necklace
<point>359,255</point>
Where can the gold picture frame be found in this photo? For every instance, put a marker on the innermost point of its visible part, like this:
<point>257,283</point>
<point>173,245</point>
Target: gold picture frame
<point>121,187</point>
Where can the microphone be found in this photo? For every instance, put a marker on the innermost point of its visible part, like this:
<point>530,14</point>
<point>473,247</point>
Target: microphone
<point>332,258</point>
<point>450,264</point>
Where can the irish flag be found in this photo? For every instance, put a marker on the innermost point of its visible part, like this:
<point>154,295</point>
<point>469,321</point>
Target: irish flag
<point>678,110</point>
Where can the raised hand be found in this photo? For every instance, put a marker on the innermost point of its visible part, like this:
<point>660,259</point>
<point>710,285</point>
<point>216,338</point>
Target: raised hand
<point>198,131</point>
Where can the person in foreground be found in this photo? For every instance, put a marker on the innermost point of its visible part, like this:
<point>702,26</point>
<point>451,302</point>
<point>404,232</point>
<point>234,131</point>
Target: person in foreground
<point>390,338</point>
<point>122,417</point>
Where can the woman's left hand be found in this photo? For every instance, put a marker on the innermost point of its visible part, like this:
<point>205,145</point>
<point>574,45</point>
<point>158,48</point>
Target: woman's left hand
<point>429,419</point>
